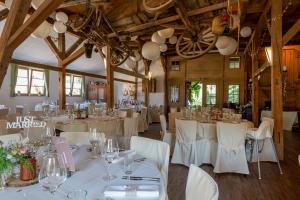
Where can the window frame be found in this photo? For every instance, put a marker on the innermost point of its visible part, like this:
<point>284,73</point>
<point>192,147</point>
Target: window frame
<point>234,94</point>
<point>29,80</point>
<point>210,96</point>
<point>239,62</point>
<point>72,85</point>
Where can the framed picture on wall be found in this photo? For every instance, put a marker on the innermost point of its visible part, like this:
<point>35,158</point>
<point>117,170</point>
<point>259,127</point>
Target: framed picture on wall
<point>175,65</point>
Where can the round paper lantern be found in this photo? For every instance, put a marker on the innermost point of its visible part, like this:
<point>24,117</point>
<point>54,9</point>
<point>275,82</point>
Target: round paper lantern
<point>8,3</point>
<point>61,16</point>
<point>129,63</point>
<point>223,42</point>
<point>173,39</point>
<point>245,31</point>
<point>36,3</point>
<point>229,49</point>
<point>166,33</point>
<point>104,50</point>
<point>136,57</point>
<point>42,31</point>
<point>59,27</point>
<point>156,38</point>
<point>163,48</point>
<point>151,51</point>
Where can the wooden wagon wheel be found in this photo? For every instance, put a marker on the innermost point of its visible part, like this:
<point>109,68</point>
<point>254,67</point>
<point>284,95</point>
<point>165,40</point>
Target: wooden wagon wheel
<point>193,46</point>
<point>82,22</point>
<point>153,6</point>
<point>119,55</point>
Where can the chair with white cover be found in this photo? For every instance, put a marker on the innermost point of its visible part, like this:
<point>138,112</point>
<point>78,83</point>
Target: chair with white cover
<point>77,138</point>
<point>140,121</point>
<point>122,113</point>
<point>130,126</point>
<point>172,117</point>
<point>154,150</point>
<point>166,135</point>
<point>173,109</point>
<point>200,185</point>
<point>144,113</point>
<point>6,140</point>
<point>185,144</point>
<point>263,136</point>
<point>231,155</point>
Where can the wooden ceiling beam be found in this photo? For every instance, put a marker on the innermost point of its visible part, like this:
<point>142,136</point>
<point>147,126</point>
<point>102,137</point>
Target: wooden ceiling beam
<point>40,15</point>
<point>14,20</point>
<point>291,33</point>
<point>181,11</point>
<point>68,60</point>
<point>72,48</point>
<point>53,47</point>
<point>82,2</point>
<point>3,14</point>
<point>127,72</point>
<point>171,18</point>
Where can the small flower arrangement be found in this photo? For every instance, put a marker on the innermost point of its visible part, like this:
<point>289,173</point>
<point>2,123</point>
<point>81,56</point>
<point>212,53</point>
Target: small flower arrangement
<point>7,160</point>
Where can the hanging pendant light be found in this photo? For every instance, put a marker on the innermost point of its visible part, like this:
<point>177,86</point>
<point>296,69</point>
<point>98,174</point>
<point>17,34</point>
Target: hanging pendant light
<point>166,33</point>
<point>151,51</point>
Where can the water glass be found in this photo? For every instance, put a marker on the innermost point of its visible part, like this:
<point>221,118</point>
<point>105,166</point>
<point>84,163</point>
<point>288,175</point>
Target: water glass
<point>128,165</point>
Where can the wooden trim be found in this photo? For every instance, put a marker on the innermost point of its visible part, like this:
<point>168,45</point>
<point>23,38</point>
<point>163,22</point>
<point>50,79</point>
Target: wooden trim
<point>3,14</point>
<point>40,15</point>
<point>72,48</point>
<point>291,33</point>
<point>53,47</point>
<point>68,60</point>
<point>127,72</point>
<point>172,18</point>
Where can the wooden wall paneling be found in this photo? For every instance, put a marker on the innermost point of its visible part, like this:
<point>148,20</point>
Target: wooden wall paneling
<point>276,79</point>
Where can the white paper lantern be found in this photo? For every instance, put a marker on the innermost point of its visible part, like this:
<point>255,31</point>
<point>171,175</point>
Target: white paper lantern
<point>59,27</point>
<point>223,42</point>
<point>156,38</point>
<point>166,33</point>
<point>8,3</point>
<point>246,31</point>
<point>136,57</point>
<point>42,31</point>
<point>229,49</point>
<point>36,3</point>
<point>151,51</point>
<point>104,50</point>
<point>173,39</point>
<point>61,16</point>
<point>163,48</point>
<point>129,63</point>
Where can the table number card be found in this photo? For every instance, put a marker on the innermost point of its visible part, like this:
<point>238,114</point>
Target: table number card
<point>62,147</point>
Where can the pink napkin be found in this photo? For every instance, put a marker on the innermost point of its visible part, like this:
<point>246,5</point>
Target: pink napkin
<point>62,147</point>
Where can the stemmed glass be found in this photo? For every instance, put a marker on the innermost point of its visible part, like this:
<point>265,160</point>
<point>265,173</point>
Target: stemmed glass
<point>53,172</point>
<point>95,139</point>
<point>111,153</point>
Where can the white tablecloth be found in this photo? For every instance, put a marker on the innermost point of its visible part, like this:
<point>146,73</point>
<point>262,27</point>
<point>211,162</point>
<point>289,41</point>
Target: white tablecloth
<point>89,178</point>
<point>289,118</point>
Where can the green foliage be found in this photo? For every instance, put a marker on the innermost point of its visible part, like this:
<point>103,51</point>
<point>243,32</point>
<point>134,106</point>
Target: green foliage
<point>7,161</point>
<point>196,93</point>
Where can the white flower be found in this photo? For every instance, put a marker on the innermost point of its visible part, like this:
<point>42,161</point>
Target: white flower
<point>9,157</point>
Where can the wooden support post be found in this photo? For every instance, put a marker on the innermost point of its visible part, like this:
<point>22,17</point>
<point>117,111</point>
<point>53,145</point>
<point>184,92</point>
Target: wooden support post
<point>14,20</point>
<point>146,81</point>
<point>110,79</point>
<point>255,86</point>
<point>136,80</point>
<point>276,79</point>
<point>62,73</point>
<point>164,65</point>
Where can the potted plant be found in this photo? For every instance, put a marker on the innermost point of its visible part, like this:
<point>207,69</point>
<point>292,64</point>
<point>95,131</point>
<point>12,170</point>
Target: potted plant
<point>7,162</point>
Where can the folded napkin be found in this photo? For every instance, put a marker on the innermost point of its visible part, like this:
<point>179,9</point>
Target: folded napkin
<point>138,191</point>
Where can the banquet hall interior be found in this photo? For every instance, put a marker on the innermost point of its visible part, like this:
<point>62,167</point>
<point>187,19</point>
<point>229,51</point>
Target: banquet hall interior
<point>149,99</point>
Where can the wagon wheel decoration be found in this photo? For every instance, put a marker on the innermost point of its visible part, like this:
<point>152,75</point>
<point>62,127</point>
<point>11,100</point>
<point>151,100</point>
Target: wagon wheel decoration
<point>119,55</point>
<point>153,6</point>
<point>82,21</point>
<point>191,46</point>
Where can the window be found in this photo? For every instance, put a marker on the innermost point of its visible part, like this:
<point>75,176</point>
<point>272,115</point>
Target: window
<point>234,62</point>
<point>73,85</point>
<point>175,65</point>
<point>233,93</point>
<point>30,82</point>
<point>196,93</point>
<point>211,94</point>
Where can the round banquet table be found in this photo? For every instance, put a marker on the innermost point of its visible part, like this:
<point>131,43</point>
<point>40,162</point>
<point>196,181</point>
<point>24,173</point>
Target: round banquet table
<point>89,177</point>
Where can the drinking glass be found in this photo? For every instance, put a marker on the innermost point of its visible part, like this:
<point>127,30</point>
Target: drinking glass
<point>128,164</point>
<point>53,172</point>
<point>95,139</point>
<point>111,153</point>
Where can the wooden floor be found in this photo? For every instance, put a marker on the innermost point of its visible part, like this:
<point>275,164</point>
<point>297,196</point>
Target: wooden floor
<point>233,186</point>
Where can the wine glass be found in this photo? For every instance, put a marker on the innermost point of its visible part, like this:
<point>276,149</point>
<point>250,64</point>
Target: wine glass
<point>111,153</point>
<point>53,172</point>
<point>95,139</point>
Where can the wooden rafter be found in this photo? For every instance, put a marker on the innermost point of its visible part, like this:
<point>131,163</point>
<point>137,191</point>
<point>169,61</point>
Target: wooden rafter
<point>72,48</point>
<point>40,15</point>
<point>181,11</point>
<point>14,20</point>
<point>171,18</point>
<point>291,33</point>
<point>3,14</point>
<point>53,47</point>
<point>127,72</point>
<point>68,60</point>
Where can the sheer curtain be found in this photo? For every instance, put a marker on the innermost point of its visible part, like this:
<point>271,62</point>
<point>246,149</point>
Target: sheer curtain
<point>13,79</point>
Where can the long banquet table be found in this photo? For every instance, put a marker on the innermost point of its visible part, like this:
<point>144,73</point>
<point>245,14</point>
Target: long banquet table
<point>89,178</point>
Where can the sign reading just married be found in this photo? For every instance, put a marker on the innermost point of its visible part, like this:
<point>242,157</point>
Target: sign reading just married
<point>26,122</point>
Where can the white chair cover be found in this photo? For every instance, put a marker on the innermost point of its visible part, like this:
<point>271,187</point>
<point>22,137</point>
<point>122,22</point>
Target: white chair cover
<point>185,144</point>
<point>167,136</point>
<point>122,113</point>
<point>144,117</point>
<point>10,139</point>
<point>200,185</point>
<point>78,138</point>
<point>130,126</point>
<point>173,109</point>
<point>154,150</point>
<point>231,156</point>
<point>172,117</point>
